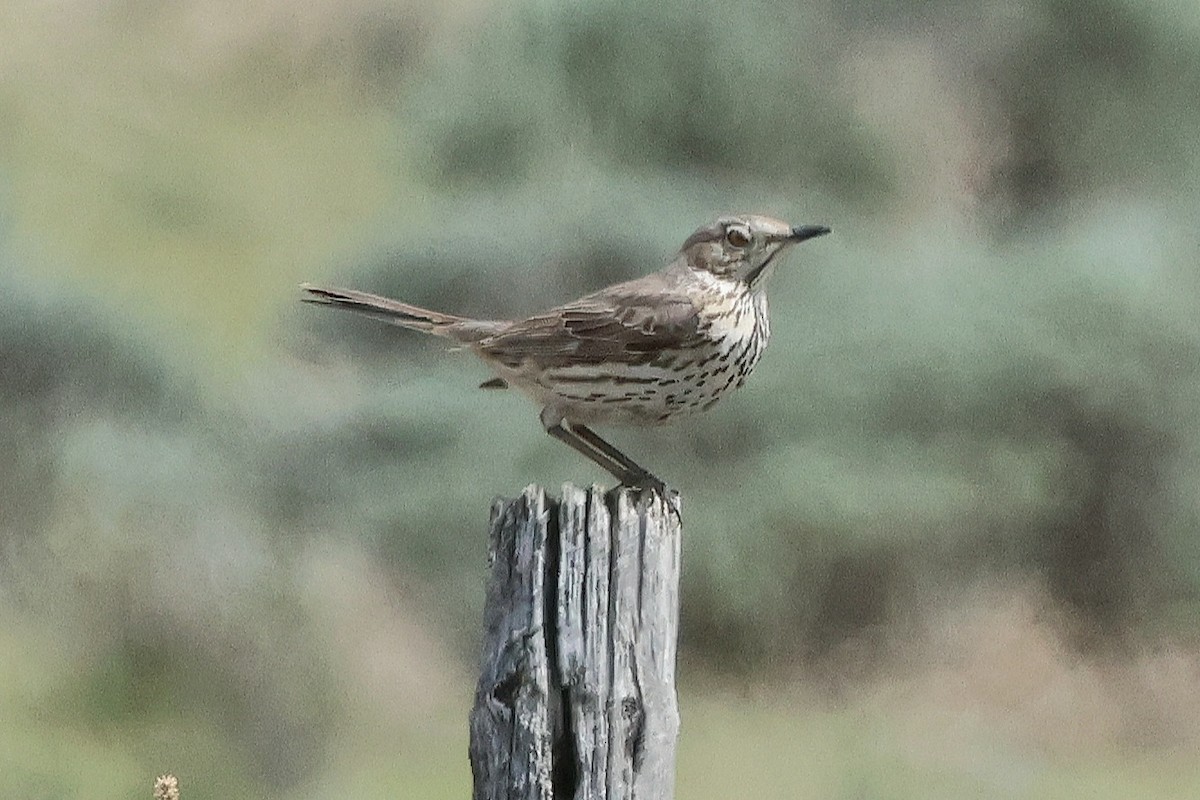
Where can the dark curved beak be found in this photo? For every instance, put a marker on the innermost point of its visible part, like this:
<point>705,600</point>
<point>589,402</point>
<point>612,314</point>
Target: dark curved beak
<point>802,232</point>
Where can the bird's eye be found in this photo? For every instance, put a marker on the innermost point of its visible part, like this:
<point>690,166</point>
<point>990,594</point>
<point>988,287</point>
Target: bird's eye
<point>737,237</point>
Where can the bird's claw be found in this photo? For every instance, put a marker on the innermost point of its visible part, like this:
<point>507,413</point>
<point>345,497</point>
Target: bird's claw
<point>643,481</point>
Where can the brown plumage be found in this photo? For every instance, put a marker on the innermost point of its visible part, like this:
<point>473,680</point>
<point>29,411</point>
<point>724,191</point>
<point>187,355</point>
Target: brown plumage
<point>642,352</point>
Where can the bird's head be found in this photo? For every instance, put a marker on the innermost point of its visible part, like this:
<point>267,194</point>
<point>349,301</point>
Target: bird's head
<point>744,247</point>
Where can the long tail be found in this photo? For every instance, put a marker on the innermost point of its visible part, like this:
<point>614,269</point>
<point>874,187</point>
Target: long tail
<point>394,312</point>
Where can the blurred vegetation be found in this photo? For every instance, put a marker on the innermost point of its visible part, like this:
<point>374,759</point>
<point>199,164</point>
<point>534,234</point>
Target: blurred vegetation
<point>944,542</point>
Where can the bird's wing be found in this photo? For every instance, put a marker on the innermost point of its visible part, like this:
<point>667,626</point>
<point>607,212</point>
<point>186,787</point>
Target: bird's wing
<point>629,323</point>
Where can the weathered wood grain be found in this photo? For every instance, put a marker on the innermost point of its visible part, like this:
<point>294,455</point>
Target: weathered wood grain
<point>576,696</point>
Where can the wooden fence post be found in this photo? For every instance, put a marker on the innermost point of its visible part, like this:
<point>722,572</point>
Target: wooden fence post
<point>576,698</point>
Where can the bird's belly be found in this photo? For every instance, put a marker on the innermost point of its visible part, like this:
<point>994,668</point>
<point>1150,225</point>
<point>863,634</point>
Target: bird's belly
<point>671,386</point>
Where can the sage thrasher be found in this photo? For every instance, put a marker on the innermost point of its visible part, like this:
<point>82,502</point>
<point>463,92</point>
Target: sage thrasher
<point>642,352</point>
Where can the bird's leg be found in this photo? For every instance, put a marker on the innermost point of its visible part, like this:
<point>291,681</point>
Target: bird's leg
<point>568,437</point>
<point>634,473</point>
<point>586,442</point>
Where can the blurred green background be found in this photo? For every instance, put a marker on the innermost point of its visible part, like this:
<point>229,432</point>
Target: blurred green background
<point>943,545</point>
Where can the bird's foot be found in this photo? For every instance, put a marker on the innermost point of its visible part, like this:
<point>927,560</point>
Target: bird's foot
<point>642,480</point>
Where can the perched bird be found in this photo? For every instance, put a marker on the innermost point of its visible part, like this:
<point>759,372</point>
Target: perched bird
<point>643,352</point>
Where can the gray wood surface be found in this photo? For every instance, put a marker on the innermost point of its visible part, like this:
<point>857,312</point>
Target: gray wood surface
<point>576,696</point>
